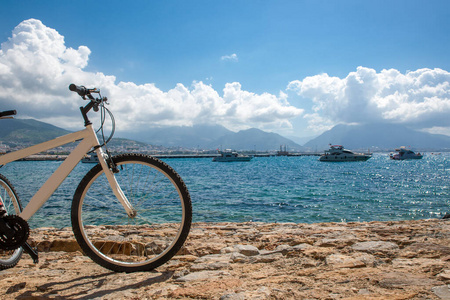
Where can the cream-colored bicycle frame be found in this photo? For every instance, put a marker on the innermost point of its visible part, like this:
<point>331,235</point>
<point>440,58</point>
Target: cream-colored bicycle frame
<point>88,141</point>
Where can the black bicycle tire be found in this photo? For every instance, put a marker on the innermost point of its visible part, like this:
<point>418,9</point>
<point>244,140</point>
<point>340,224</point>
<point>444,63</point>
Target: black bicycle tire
<point>17,254</point>
<point>92,175</point>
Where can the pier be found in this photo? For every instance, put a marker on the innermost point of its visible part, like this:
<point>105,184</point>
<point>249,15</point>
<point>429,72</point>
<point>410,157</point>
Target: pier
<point>44,157</point>
<point>216,155</point>
<point>47,157</point>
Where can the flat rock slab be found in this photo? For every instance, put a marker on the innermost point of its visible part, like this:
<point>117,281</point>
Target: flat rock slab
<point>401,280</point>
<point>374,246</point>
<point>443,291</point>
<point>202,275</point>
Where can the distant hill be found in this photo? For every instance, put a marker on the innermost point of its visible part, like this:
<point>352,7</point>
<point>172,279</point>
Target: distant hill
<point>27,131</point>
<point>213,137</point>
<point>379,136</point>
<point>255,139</point>
<point>300,140</point>
<point>197,136</point>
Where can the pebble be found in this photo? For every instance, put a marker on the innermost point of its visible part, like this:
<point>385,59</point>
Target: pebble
<point>246,250</point>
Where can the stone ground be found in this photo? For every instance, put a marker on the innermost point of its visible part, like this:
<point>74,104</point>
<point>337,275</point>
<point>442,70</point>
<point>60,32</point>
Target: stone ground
<point>374,260</point>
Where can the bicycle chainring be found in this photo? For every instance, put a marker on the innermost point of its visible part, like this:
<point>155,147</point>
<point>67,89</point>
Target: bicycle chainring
<point>21,233</point>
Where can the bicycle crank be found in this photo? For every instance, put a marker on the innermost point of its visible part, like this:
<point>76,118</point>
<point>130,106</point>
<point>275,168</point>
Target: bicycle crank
<point>14,232</point>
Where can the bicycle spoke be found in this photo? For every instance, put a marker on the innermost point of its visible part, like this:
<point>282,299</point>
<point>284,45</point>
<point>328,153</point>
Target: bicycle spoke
<point>145,240</point>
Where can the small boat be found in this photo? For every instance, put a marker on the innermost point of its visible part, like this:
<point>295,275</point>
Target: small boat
<point>228,156</point>
<point>337,153</point>
<point>403,153</point>
<point>90,159</point>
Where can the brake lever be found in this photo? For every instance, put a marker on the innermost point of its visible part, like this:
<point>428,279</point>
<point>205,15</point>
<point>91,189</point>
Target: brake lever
<point>96,103</point>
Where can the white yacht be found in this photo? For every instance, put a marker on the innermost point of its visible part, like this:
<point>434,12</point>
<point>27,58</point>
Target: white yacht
<point>337,153</point>
<point>228,156</point>
<point>403,153</point>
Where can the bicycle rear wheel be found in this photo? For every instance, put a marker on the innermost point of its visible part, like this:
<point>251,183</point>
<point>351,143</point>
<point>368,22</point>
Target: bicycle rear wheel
<point>8,196</point>
<point>120,243</point>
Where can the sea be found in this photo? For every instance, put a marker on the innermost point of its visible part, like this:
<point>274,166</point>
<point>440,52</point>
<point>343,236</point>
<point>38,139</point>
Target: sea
<point>298,189</point>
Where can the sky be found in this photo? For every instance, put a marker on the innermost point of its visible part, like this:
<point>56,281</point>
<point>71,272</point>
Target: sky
<point>296,68</point>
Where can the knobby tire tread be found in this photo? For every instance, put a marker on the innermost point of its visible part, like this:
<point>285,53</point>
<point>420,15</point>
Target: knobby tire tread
<point>178,244</point>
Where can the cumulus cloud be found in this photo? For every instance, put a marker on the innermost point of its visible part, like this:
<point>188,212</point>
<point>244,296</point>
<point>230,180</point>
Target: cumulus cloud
<point>36,68</point>
<point>418,98</point>
<point>232,57</point>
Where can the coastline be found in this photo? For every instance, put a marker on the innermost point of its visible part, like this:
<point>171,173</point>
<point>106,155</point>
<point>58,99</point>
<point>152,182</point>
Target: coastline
<point>355,260</point>
<point>55,157</point>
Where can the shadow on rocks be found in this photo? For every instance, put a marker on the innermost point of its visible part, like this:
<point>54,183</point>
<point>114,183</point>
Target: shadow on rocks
<point>64,288</point>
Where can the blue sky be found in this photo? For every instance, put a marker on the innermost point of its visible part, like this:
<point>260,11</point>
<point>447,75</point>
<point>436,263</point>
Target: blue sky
<point>266,47</point>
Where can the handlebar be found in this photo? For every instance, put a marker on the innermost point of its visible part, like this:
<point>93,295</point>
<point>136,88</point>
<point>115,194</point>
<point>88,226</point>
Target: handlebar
<point>8,113</point>
<point>82,91</point>
<point>94,103</point>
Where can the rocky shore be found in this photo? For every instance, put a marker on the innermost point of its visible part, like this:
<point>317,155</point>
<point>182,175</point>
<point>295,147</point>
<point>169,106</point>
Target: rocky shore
<point>373,260</point>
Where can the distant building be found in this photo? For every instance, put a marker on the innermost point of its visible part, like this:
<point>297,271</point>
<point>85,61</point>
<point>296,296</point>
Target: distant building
<point>3,148</point>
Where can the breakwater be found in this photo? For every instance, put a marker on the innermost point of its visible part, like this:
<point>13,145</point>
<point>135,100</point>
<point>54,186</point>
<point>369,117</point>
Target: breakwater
<point>50,157</point>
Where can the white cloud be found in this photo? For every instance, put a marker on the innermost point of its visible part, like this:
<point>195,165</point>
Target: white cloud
<point>438,130</point>
<point>232,57</point>
<point>36,69</point>
<point>418,98</point>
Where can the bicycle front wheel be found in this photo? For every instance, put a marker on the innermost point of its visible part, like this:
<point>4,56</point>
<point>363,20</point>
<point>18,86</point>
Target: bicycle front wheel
<point>8,196</point>
<point>145,241</point>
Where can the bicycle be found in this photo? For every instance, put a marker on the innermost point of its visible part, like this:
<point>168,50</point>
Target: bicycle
<point>130,212</point>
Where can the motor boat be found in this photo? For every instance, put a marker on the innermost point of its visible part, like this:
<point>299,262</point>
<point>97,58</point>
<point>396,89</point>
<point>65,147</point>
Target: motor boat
<point>404,153</point>
<point>228,156</point>
<point>337,153</point>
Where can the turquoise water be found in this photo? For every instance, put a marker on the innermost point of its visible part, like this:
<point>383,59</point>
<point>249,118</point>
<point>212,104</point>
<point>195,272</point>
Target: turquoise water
<point>278,189</point>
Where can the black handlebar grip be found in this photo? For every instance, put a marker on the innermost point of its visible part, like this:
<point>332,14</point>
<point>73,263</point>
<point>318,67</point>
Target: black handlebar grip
<point>8,113</point>
<point>81,90</point>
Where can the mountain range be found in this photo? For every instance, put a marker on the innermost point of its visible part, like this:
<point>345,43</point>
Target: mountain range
<point>370,136</point>
<point>27,131</point>
<point>379,137</point>
<point>213,137</point>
